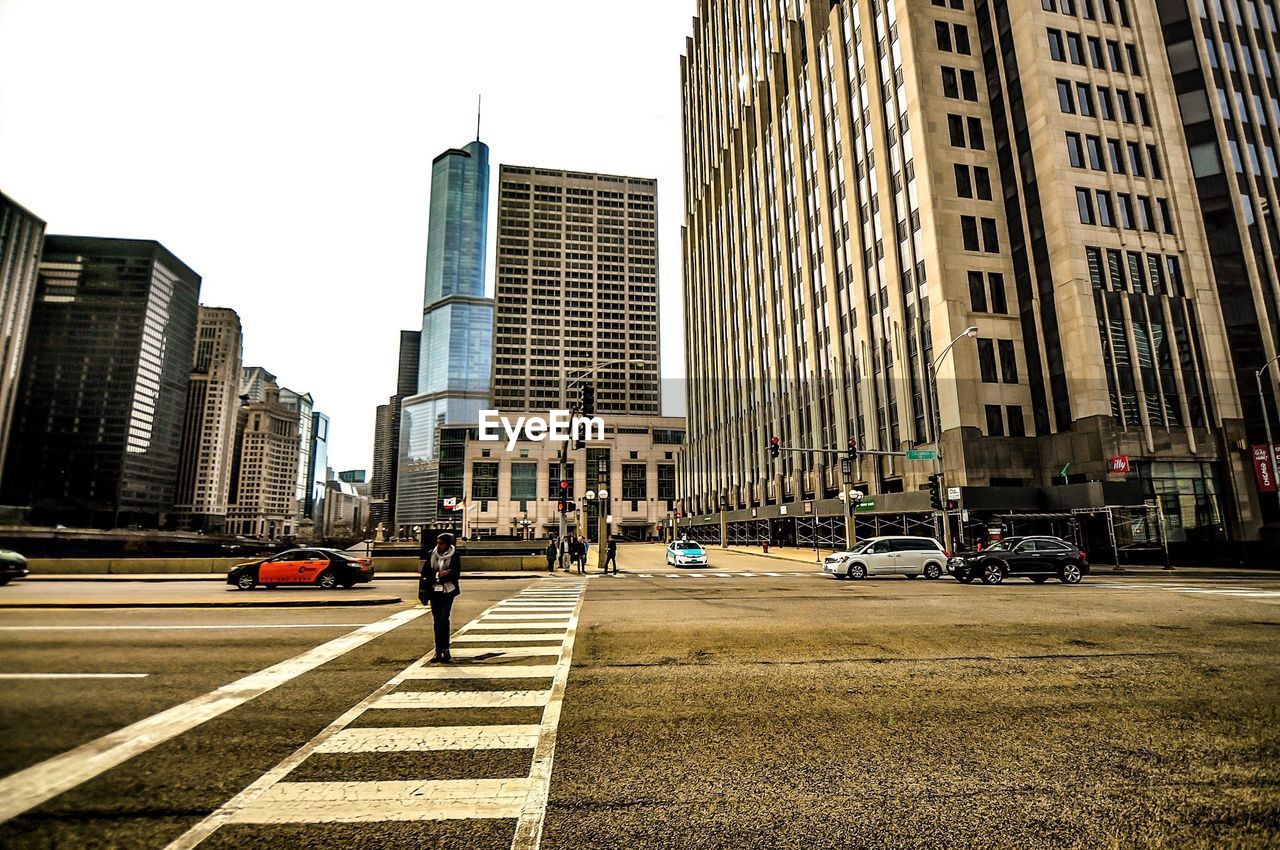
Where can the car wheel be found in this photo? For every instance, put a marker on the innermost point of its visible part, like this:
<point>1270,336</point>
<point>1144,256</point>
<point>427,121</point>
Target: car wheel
<point>327,580</point>
<point>932,571</point>
<point>857,571</point>
<point>1071,573</point>
<point>247,581</point>
<point>992,574</point>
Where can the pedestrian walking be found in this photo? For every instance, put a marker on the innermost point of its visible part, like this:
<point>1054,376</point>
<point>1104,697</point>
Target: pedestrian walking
<point>580,555</point>
<point>566,552</point>
<point>552,551</point>
<point>586,548</point>
<point>439,584</point>
<point>612,557</point>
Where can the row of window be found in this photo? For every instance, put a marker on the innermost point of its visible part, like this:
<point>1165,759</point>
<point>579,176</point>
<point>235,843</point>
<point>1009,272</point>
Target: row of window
<point>1101,10</point>
<point>987,293</point>
<point>1070,47</point>
<point>969,229</point>
<point>1121,157</point>
<point>1125,213</point>
<point>1017,426</point>
<point>952,37</point>
<point>973,180</point>
<point>1152,274</point>
<point>1078,98</point>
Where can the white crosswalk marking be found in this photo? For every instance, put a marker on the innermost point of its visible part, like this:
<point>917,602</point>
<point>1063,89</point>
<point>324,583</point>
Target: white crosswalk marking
<point>356,802</point>
<point>272,800</point>
<point>417,739</point>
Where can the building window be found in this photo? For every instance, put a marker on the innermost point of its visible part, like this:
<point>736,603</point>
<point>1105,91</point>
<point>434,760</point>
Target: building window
<point>1084,202</point>
<point>975,135</point>
<point>977,292</point>
<point>969,230</point>
<point>1008,361</point>
<point>524,482</point>
<point>955,124</point>
<point>990,236</point>
<point>484,480</point>
<point>666,482</point>
<point>995,424</point>
<point>1017,424</point>
<point>987,361</point>
<point>1066,100</point>
<point>998,302</point>
<point>634,482</point>
<point>1075,150</point>
<point>964,186</point>
<point>554,479</point>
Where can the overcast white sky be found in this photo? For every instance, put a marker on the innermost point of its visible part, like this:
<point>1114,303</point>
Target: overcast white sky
<point>282,149</point>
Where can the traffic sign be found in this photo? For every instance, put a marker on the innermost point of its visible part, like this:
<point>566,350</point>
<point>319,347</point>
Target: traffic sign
<point>953,493</point>
<point>922,454</point>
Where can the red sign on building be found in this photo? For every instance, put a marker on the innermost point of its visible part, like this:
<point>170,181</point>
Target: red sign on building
<point>1263,472</point>
<point>1119,463</point>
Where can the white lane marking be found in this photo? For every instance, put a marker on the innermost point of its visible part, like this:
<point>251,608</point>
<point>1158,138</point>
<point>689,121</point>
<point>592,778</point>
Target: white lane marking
<point>775,575</point>
<point>722,575</point>
<point>401,739</point>
<point>363,802</point>
<point>645,575</point>
<point>505,651</point>
<point>521,618</point>
<point>181,628</point>
<point>747,575</point>
<point>468,637</point>
<point>519,626</point>
<point>29,788</point>
<point>73,675</point>
<point>483,671</point>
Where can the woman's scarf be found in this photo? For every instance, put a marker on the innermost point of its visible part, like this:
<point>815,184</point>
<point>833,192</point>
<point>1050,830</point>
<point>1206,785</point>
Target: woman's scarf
<point>440,561</point>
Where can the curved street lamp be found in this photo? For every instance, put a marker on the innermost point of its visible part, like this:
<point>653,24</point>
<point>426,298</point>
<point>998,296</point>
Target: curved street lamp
<point>968,332</point>
<point>1266,419</point>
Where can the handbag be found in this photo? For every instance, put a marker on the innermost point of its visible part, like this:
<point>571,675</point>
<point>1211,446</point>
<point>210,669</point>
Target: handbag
<point>424,589</point>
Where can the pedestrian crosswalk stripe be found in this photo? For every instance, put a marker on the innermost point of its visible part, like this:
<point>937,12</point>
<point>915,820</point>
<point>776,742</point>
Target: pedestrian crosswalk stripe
<point>462,699</point>
<point>469,637</point>
<point>506,651</point>
<point>399,739</point>
<point>412,800</point>
<point>494,618</point>
<point>483,671</point>
<point>271,799</point>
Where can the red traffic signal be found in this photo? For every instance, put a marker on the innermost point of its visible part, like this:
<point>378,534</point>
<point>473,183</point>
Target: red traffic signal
<point>564,485</point>
<point>775,448</point>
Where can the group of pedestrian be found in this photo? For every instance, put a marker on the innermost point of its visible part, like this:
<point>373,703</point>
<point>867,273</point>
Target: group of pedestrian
<point>571,553</point>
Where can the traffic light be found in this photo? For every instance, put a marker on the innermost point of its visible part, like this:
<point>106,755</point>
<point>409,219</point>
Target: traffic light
<point>775,448</point>
<point>560,506</point>
<point>935,491</point>
<point>852,453</point>
<point>570,506</point>
<point>588,399</point>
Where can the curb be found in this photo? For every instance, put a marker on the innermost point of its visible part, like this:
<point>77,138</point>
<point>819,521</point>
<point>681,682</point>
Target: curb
<point>290,603</point>
<point>157,578</point>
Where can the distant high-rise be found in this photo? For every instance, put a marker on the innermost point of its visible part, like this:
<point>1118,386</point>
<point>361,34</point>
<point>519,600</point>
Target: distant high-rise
<point>317,468</point>
<point>98,424</point>
<point>21,240</point>
<point>353,476</point>
<point>384,457</point>
<point>208,436</point>
<point>456,346</point>
<point>264,476</point>
<point>577,287</point>
<point>304,406</point>
<point>254,381</point>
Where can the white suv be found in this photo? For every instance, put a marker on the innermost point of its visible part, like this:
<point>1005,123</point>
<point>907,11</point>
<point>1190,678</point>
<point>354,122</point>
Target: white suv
<point>902,556</point>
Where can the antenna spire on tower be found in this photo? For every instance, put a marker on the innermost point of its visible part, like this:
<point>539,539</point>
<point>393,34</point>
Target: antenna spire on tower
<point>478,97</point>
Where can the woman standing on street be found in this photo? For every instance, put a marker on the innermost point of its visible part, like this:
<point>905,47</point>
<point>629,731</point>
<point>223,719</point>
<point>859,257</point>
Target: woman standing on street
<point>440,573</point>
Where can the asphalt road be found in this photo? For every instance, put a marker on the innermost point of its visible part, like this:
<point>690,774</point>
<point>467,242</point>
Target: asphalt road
<point>701,711</point>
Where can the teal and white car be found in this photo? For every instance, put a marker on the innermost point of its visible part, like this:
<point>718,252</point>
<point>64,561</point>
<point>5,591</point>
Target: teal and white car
<point>686,553</point>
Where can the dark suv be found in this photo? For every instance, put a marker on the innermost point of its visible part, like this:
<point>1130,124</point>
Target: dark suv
<point>1037,558</point>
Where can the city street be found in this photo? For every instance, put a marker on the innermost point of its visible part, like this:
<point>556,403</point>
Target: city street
<point>754,703</point>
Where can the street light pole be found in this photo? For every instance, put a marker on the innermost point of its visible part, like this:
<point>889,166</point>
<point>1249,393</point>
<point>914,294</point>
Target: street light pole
<point>1266,421</point>
<point>602,476</point>
<point>970,331</point>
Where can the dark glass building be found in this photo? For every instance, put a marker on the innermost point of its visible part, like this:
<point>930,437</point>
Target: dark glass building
<point>98,424</point>
<point>21,238</point>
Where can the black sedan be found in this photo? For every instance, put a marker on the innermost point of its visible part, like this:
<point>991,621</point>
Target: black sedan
<point>1037,558</point>
<point>12,565</point>
<point>326,568</point>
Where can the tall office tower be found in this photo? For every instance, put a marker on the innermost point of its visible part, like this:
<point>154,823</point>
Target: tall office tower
<point>318,468</point>
<point>456,353</point>
<point>209,430</point>
<point>97,427</point>
<point>254,381</point>
<point>577,287</point>
<point>304,406</point>
<point>21,240</point>
<point>383,464</point>
<point>264,475</point>
<point>1225,66</point>
<point>863,183</point>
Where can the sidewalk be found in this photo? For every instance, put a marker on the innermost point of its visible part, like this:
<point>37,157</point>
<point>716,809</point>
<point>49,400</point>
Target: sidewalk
<point>797,555</point>
<point>215,577</point>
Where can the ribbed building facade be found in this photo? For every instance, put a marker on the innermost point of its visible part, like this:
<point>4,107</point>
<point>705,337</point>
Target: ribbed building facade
<point>1225,60</point>
<point>577,286</point>
<point>864,182</point>
<point>97,425</point>
<point>209,430</point>
<point>21,241</point>
<point>263,501</point>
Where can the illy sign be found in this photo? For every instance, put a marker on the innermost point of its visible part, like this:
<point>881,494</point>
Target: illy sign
<point>1119,463</point>
<point>1263,472</point>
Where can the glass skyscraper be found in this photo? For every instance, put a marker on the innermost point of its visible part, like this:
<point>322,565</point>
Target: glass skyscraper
<point>456,345</point>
